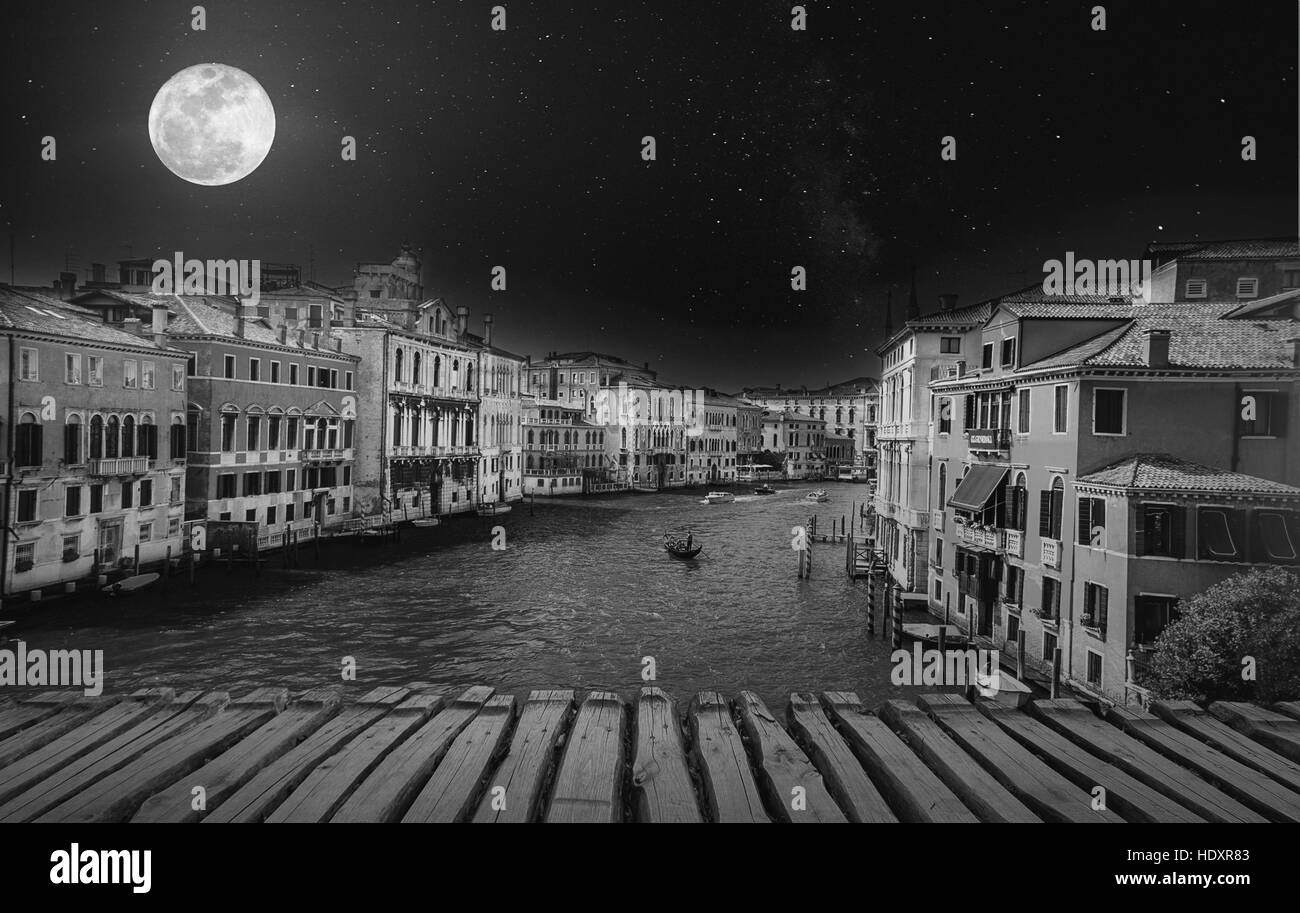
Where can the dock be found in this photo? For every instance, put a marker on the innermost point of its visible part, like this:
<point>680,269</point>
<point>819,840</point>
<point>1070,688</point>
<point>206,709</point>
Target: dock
<point>425,753</point>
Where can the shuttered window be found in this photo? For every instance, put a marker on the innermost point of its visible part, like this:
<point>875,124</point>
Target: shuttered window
<point>1160,531</point>
<point>1092,522</point>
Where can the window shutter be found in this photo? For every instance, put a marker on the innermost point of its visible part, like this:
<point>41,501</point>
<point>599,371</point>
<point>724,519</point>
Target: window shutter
<point>1140,531</point>
<point>1085,521</point>
<point>1178,535</point>
<point>1281,407</point>
<point>1058,509</point>
<point>1098,513</point>
<point>1045,514</point>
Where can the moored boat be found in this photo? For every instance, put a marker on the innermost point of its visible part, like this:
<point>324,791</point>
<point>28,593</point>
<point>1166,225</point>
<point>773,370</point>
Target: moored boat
<point>493,508</point>
<point>129,585</point>
<point>425,522</point>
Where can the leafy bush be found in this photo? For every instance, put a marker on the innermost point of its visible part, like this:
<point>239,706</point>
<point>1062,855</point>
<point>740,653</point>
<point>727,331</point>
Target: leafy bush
<point>1254,614</point>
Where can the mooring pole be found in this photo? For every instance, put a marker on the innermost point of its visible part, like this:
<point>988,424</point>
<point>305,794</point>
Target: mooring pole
<point>1056,672</point>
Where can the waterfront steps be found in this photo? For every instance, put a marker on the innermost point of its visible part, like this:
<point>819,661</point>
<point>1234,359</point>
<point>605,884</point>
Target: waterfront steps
<point>421,753</point>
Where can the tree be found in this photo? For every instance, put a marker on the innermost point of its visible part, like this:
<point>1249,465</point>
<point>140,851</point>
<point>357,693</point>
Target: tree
<point>1238,640</point>
<point>770,458</point>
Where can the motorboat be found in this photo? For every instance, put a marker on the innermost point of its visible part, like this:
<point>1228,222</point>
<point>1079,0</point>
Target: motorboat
<point>425,522</point>
<point>765,490</point>
<point>493,508</point>
<point>129,585</point>
<point>719,497</point>
<point>819,496</point>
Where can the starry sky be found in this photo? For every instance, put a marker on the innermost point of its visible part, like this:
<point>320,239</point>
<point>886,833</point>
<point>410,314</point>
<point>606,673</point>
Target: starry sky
<point>775,148</point>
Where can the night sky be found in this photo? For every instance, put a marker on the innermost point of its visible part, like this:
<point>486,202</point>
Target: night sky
<point>775,148</point>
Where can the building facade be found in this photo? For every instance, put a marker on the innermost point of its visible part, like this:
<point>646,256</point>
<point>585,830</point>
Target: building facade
<point>799,439</point>
<point>849,409</point>
<point>563,452</point>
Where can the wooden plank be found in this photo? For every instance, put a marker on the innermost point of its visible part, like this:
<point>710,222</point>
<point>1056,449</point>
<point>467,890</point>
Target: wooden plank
<point>26,741</point>
<point>64,781</point>
<point>253,801</point>
<point>911,789</point>
<point>1252,788</point>
<point>387,791</point>
<point>1276,731</point>
<point>730,794</point>
<point>35,766</point>
<point>1033,782</point>
<point>845,779</point>
<point>1195,721</point>
<point>1077,723</point>
<point>976,787</point>
<point>1132,799</point>
<point>115,797</point>
<point>522,774</point>
<point>453,790</point>
<point>326,788</point>
<point>589,785</point>
<point>661,780</point>
<point>32,710</point>
<point>229,770</point>
<point>795,789</point>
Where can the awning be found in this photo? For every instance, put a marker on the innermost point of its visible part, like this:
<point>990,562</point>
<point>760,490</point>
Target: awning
<point>975,490</point>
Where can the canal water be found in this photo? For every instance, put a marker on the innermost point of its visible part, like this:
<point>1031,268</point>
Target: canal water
<point>581,595</point>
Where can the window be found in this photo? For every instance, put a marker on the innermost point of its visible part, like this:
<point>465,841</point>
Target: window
<point>1094,670</point>
<point>1013,629</point>
<point>1152,614</point>
<point>24,556</point>
<point>987,361</point>
<point>72,501</point>
<point>252,483</point>
<point>1060,408</point>
<point>1160,531</point>
<point>146,492</point>
<point>1262,414</point>
<point>26,505</point>
<point>226,485</point>
<point>228,420</point>
<point>28,442</point>
<point>146,531</point>
<point>1022,419</point>
<point>28,364</point>
<point>71,369</point>
<point>96,498</point>
<point>1092,522</point>
<point>347,380</point>
<point>255,369</point>
<point>311,371</point>
<point>291,435</point>
<point>254,432</point>
<point>173,527</point>
<point>128,494</point>
<point>968,414</point>
<point>273,482</point>
<point>273,432</point>
<point>1277,533</point>
<point>72,546</point>
<point>230,367</point>
<point>72,441</point>
<point>178,377</point>
<point>938,553</point>
<point>128,436</point>
<point>130,374</point>
<point>1008,352</point>
<point>1095,600</point>
<point>1196,288</point>
<point>275,372</point>
<point>176,490</point>
<point>176,445</point>
<point>95,370</point>
<point>945,415</point>
<point>1014,592</point>
<point>1247,288</point>
<point>1108,411</point>
<point>1049,647</point>
<point>950,345</point>
<point>270,515</point>
<point>1219,533</point>
<point>293,374</point>
<point>147,375</point>
<point>290,481</point>
<point>1050,504</point>
<point>1051,608</point>
<point>1290,279</point>
<point>943,486</point>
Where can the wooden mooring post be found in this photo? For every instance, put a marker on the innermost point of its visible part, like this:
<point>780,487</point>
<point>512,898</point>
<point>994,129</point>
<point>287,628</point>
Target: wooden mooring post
<point>1056,672</point>
<point>896,617</point>
<point>1020,655</point>
<point>871,604</point>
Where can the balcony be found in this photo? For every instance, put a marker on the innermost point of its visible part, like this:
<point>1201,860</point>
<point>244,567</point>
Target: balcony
<point>1015,543</point>
<point>322,453</point>
<point>936,519</point>
<point>947,370</point>
<point>903,431</point>
<point>120,466</point>
<point>981,537</point>
<point>994,440</point>
<point>1051,556</point>
<point>411,389</point>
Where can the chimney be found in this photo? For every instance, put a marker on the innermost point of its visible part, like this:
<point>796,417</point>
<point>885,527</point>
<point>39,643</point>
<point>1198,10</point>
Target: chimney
<point>239,319</point>
<point>462,319</point>
<point>284,334</point>
<point>947,303</point>
<point>97,272</point>
<point>1156,346</point>
<point>67,285</point>
<point>132,325</point>
<point>160,325</point>
<point>487,328</point>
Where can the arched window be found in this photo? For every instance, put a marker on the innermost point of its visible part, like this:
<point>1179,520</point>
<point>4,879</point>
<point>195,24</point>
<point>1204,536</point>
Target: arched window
<point>415,368</point>
<point>530,437</point>
<point>128,436</point>
<point>1049,510</point>
<point>72,440</point>
<point>148,436</point>
<point>28,443</point>
<point>455,370</point>
<point>437,371</point>
<point>111,438</point>
<point>397,366</point>
<point>943,487</point>
<point>96,437</point>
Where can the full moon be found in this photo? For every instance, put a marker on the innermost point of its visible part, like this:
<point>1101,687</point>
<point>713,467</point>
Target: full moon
<point>212,124</point>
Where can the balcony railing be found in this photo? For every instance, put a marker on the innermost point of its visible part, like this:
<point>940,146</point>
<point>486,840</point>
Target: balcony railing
<point>412,389</point>
<point>936,519</point>
<point>947,370</point>
<point>1051,554</point>
<point>996,439</point>
<point>322,453</point>
<point>1015,542</point>
<point>983,537</point>
<point>120,466</point>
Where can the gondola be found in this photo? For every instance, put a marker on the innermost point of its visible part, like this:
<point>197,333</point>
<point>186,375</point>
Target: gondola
<point>678,549</point>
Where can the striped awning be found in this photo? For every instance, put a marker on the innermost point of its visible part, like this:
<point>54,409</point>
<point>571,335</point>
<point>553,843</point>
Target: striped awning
<point>977,487</point>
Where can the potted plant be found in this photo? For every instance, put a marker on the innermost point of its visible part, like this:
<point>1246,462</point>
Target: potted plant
<point>70,555</point>
<point>24,564</point>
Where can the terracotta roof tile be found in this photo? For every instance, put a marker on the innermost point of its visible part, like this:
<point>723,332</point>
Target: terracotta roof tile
<point>1162,472</point>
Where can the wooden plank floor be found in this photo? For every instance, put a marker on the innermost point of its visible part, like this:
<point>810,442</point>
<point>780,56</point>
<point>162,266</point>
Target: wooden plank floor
<point>417,754</point>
